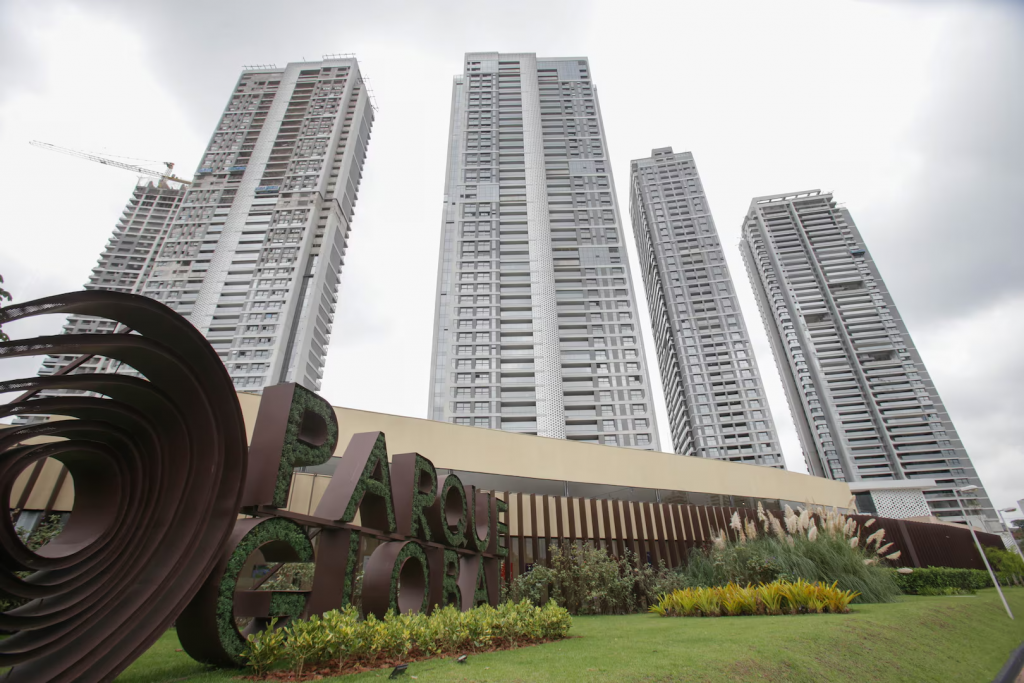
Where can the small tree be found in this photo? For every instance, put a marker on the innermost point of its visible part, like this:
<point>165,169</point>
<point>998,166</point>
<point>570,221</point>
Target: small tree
<point>47,530</point>
<point>4,294</point>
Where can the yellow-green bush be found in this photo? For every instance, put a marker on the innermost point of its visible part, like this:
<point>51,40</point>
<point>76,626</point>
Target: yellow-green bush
<point>340,639</point>
<point>777,597</point>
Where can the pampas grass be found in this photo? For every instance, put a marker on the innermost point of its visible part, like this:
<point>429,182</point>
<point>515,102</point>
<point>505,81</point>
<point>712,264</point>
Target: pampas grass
<point>812,545</point>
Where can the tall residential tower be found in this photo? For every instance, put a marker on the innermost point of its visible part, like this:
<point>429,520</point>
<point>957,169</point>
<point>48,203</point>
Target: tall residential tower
<point>254,256</point>
<point>866,410</point>
<point>536,327</point>
<point>716,402</point>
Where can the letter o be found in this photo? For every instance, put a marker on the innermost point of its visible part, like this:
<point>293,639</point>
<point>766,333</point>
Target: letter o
<point>396,578</point>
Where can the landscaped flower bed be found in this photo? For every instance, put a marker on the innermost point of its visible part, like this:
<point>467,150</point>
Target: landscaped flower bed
<point>340,642</point>
<point>777,597</point>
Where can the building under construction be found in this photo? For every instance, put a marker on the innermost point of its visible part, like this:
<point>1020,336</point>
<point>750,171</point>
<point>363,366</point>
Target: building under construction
<point>125,262</point>
<point>251,249</point>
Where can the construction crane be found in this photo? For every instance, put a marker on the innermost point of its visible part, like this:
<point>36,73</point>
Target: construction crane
<point>169,175</point>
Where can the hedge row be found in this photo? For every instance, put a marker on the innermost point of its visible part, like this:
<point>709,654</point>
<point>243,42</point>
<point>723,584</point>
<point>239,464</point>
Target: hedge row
<point>939,580</point>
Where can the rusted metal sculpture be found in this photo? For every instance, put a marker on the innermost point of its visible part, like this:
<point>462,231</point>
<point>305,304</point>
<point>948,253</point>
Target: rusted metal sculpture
<point>158,466</point>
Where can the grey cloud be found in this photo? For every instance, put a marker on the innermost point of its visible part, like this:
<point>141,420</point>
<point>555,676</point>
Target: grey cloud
<point>196,50</point>
<point>952,240</point>
<point>19,65</point>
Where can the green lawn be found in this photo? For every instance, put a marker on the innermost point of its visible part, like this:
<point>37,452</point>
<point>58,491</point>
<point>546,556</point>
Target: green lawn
<point>962,639</point>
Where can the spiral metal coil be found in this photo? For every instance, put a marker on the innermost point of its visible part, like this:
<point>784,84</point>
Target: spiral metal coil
<point>157,463</point>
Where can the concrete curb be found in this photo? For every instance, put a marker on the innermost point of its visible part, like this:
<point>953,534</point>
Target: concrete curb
<point>1012,668</point>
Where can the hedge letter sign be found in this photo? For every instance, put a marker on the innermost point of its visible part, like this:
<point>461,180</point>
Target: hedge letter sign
<point>440,538</point>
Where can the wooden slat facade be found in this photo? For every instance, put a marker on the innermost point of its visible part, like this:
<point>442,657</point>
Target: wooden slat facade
<point>668,532</point>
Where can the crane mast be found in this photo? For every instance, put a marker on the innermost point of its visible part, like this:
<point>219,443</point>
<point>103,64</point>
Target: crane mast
<point>169,175</point>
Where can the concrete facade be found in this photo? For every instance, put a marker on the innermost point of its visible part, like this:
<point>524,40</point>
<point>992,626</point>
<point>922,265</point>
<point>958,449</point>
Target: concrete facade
<point>713,390</point>
<point>536,326</point>
<point>865,408</point>
<point>124,265</point>
<point>254,256</point>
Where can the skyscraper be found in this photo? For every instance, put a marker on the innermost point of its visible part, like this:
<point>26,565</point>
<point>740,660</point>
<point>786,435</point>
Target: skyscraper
<point>716,402</point>
<point>125,263</point>
<point>536,326</point>
<point>866,410</point>
<point>254,255</point>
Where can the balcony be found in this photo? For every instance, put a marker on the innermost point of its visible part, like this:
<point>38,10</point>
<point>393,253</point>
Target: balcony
<point>582,429</point>
<point>519,410</point>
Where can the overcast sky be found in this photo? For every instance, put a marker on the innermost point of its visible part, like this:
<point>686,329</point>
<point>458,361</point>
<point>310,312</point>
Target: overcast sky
<point>911,112</point>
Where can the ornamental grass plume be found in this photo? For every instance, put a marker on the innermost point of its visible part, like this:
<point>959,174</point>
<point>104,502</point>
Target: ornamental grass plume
<point>812,534</point>
<point>894,556</point>
<point>832,522</point>
<point>854,541</point>
<point>777,527</point>
<point>883,549</point>
<point>792,524</point>
<point>720,541</point>
<point>804,519</point>
<point>737,526</point>
<point>868,523</point>
<point>751,530</point>
<point>874,538</point>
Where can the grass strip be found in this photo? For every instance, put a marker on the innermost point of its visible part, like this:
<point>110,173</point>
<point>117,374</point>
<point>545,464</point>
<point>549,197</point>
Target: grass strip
<point>923,639</point>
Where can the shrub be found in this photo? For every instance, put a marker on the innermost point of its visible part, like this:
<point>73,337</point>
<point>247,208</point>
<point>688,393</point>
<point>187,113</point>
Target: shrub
<point>1004,561</point>
<point>341,639</point>
<point>47,530</point>
<point>778,597</point>
<point>264,649</point>
<point>291,576</point>
<point>307,641</point>
<point>587,580</point>
<point>532,586</point>
<point>939,580</point>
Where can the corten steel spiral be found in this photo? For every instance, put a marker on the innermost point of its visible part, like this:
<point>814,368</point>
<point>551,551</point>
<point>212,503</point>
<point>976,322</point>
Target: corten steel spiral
<point>157,465</point>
